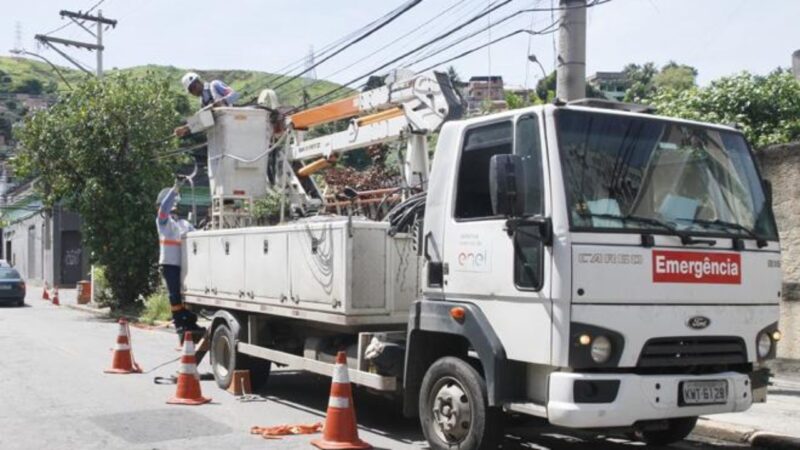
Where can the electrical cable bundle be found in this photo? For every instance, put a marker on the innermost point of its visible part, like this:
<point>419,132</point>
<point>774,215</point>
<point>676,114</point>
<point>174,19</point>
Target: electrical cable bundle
<point>403,217</point>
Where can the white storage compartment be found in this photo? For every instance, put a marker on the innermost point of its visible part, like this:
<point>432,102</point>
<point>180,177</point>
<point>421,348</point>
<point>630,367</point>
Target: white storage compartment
<point>320,270</point>
<point>242,133</point>
<point>227,264</point>
<point>317,265</point>
<point>195,264</point>
<point>266,269</point>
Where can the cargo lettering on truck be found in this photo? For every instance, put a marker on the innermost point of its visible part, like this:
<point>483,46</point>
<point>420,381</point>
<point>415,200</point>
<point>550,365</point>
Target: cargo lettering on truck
<point>696,267</point>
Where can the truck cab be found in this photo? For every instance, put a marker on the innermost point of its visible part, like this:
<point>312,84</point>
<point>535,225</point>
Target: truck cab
<point>601,268</point>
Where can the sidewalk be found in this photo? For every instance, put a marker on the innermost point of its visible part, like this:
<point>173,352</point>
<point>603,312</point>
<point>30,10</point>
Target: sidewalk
<point>774,424</point>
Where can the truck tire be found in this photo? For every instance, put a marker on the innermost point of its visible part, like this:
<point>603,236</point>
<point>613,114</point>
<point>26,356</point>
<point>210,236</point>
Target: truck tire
<point>454,410</point>
<point>676,431</point>
<point>225,359</point>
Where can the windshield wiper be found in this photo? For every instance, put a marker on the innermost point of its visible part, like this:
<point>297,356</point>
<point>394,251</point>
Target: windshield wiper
<point>760,241</point>
<point>686,238</point>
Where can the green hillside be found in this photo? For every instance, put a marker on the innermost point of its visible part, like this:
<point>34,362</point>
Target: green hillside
<point>16,75</point>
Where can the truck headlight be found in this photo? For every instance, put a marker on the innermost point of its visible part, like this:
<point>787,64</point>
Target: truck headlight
<point>764,344</point>
<point>601,349</point>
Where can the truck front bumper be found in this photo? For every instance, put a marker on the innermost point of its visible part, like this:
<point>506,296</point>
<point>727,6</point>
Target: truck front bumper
<point>636,398</point>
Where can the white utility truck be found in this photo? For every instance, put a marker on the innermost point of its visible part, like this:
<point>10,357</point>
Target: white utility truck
<point>586,263</point>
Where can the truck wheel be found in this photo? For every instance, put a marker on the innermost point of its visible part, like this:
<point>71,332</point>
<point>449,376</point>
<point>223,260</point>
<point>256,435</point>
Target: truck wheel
<point>677,429</point>
<point>225,359</point>
<point>454,410</point>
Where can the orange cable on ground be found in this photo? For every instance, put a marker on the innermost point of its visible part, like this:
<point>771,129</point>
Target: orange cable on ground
<point>275,432</point>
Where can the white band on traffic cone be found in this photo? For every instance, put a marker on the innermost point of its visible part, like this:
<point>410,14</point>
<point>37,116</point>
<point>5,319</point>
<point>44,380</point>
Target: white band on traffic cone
<point>339,402</point>
<point>340,374</point>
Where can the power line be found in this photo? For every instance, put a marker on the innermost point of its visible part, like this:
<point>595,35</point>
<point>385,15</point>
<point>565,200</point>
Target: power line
<point>470,36</point>
<point>466,11</point>
<point>502,38</point>
<point>426,44</point>
<point>456,4</point>
<point>410,4</point>
<point>285,70</point>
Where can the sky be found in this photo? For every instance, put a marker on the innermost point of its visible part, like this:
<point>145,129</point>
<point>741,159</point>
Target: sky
<point>718,37</point>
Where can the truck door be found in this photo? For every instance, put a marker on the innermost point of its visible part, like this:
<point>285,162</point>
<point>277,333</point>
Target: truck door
<point>507,277</point>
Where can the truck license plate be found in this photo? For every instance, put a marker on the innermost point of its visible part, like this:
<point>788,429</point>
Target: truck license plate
<point>5,287</point>
<point>704,392</point>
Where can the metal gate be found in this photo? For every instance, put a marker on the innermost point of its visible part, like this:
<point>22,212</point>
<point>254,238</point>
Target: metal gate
<point>71,257</point>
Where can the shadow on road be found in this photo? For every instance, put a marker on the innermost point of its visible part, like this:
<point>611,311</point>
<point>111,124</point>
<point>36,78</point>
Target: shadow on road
<point>309,392</point>
<point>382,416</point>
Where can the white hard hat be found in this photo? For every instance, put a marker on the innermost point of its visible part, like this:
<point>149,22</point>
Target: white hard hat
<point>188,79</point>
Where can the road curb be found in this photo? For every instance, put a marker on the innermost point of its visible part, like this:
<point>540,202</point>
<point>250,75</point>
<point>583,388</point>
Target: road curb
<point>90,309</point>
<point>745,435</point>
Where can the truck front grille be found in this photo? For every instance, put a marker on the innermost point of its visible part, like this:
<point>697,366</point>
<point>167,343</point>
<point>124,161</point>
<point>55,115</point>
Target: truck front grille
<point>693,351</point>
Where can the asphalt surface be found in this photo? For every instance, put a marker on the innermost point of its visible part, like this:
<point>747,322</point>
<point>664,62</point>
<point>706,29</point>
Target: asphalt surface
<point>54,394</point>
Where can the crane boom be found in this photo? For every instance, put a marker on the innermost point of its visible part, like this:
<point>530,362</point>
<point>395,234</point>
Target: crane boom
<point>417,105</point>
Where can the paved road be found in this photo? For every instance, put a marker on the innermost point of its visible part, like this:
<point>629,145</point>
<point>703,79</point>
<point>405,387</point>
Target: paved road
<point>53,394</point>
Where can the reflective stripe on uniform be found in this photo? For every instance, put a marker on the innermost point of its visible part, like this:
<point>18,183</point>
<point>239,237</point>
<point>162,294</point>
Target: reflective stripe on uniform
<point>170,242</point>
<point>176,308</point>
<point>339,402</point>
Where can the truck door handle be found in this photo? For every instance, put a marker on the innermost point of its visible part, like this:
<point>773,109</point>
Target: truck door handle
<point>425,245</point>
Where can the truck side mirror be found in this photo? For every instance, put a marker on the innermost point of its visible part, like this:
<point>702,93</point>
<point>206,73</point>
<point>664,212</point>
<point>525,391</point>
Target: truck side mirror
<point>507,185</point>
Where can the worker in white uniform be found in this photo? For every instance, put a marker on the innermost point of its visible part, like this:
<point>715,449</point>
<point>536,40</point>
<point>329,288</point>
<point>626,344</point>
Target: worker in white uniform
<point>213,93</point>
<point>171,230</point>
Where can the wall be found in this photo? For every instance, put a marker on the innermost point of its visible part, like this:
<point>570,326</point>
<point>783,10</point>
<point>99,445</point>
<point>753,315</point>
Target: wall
<point>45,261</point>
<point>780,164</point>
<point>35,266</point>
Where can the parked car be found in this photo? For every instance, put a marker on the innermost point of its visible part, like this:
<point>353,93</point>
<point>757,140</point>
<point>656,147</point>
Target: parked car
<point>4,263</point>
<point>12,287</point>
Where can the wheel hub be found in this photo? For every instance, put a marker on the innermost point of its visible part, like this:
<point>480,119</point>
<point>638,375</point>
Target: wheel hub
<point>451,412</point>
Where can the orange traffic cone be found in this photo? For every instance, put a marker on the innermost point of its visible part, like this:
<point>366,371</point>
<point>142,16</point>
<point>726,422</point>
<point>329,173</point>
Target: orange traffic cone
<point>122,361</point>
<point>45,294</point>
<point>340,430</point>
<point>55,297</point>
<point>188,392</point>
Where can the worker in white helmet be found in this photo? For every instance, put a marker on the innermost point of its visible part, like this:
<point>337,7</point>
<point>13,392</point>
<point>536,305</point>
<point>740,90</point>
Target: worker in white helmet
<point>213,93</point>
<point>171,230</point>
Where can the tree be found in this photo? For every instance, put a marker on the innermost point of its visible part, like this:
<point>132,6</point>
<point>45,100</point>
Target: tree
<point>97,152</point>
<point>640,79</point>
<point>546,89</point>
<point>767,108</point>
<point>31,86</point>
<point>514,101</point>
<point>644,80</point>
<point>675,76</point>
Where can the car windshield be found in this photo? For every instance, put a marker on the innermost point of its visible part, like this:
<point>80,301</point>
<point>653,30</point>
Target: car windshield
<point>648,173</point>
<point>8,274</point>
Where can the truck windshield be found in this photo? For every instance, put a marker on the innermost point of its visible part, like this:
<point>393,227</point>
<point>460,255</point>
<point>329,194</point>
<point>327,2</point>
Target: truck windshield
<point>625,172</point>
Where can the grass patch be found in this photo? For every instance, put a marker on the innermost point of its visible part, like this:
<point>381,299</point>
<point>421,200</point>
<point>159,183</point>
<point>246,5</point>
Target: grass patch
<point>156,307</point>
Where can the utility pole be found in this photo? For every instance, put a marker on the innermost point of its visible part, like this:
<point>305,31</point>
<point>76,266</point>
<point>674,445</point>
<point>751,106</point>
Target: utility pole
<point>571,70</point>
<point>796,64</point>
<point>79,18</point>
<point>100,43</point>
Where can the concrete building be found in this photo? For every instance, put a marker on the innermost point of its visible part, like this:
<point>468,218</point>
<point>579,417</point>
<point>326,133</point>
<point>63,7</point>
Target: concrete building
<point>485,92</point>
<point>612,84</point>
<point>43,247</point>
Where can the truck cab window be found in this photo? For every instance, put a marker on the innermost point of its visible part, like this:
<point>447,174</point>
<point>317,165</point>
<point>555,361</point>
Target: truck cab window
<point>480,144</point>
<point>528,248</point>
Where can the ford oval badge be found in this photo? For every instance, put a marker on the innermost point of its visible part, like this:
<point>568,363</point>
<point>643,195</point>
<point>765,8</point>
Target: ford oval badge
<point>698,322</point>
